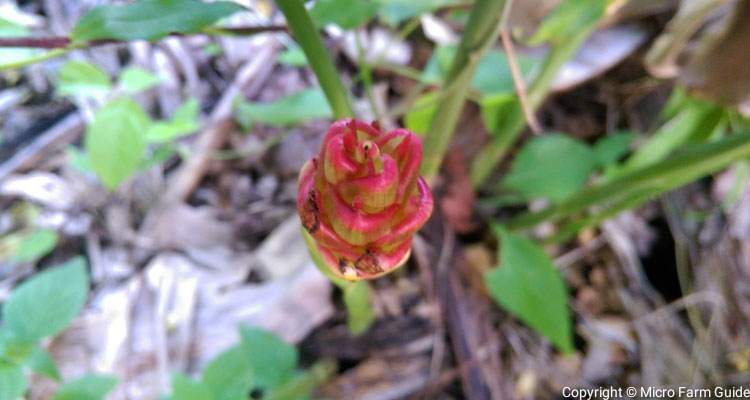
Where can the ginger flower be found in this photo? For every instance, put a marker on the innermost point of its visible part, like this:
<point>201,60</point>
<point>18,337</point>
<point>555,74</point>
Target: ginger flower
<point>361,199</point>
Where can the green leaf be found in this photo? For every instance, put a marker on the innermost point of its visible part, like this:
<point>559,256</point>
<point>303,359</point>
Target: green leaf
<point>136,79</point>
<point>12,381</point>
<point>79,78</point>
<point>289,110</point>
<point>609,149</point>
<point>36,245</point>
<point>357,301</point>
<point>419,116</point>
<point>393,12</point>
<point>528,285</point>
<point>183,122</point>
<point>567,19</point>
<point>552,166</point>
<point>293,56</point>
<point>347,14</point>
<point>150,19</point>
<point>229,376</point>
<point>14,349</point>
<point>273,360</point>
<point>79,160</point>
<point>115,141</point>
<point>42,363</point>
<point>45,304</point>
<point>492,76</point>
<point>184,388</point>
<point>304,383</point>
<point>87,387</point>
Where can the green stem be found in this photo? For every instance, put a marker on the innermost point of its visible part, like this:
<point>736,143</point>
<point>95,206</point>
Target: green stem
<point>560,52</point>
<point>357,295</point>
<point>304,31</point>
<point>670,173</point>
<point>481,31</point>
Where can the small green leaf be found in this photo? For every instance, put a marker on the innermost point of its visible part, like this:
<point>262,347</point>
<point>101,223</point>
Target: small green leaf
<point>567,19</point>
<point>79,160</point>
<point>36,245</point>
<point>14,349</point>
<point>357,301</point>
<point>184,388</point>
<point>293,56</point>
<point>419,116</point>
<point>305,382</point>
<point>543,167</point>
<point>229,376</point>
<point>42,363</point>
<point>46,303</point>
<point>528,285</point>
<point>150,19</point>
<point>115,141</point>
<point>87,387</point>
<point>136,79</point>
<point>273,360</point>
<point>347,14</point>
<point>610,148</point>
<point>78,78</point>
<point>289,110</point>
<point>183,122</point>
<point>12,381</point>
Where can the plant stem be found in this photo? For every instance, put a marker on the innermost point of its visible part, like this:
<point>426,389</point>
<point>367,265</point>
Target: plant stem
<point>670,173</point>
<point>560,52</point>
<point>304,31</point>
<point>481,31</point>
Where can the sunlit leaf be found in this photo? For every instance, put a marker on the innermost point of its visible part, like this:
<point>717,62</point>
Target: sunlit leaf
<point>79,78</point>
<point>115,141</point>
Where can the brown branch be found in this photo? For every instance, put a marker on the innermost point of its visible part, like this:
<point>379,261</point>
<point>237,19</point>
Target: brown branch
<point>520,85</point>
<point>60,42</point>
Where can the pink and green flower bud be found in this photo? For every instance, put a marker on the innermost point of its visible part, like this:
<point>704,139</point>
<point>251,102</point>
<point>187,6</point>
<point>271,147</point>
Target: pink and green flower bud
<point>361,199</point>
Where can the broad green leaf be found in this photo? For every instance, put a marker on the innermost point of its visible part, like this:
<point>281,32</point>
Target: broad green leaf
<point>529,286</point>
<point>46,303</point>
<point>419,116</point>
<point>610,148</point>
<point>184,388</point>
<point>289,110</point>
<point>551,166</point>
<point>500,112</point>
<point>273,361</point>
<point>293,56</point>
<point>229,376</point>
<point>183,122</point>
<point>36,245</point>
<point>12,381</point>
<point>115,141</point>
<point>492,76</point>
<point>136,79</point>
<point>42,363</point>
<point>567,20</point>
<point>359,311</point>
<point>79,78</point>
<point>87,387</point>
<point>347,14</point>
<point>393,12</point>
<point>150,19</point>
